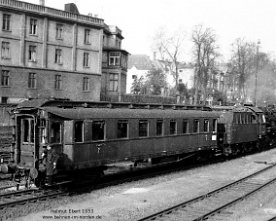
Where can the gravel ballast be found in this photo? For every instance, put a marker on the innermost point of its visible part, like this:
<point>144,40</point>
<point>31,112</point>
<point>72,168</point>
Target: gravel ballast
<point>131,201</point>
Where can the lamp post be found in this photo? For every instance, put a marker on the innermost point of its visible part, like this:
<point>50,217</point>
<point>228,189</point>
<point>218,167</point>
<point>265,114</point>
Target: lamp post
<point>256,73</point>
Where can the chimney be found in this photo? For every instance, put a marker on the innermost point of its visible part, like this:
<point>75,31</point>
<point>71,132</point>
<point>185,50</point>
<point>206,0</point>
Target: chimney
<point>42,2</point>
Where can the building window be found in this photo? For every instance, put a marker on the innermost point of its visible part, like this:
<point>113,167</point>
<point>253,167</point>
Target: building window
<point>32,53</point>
<point>59,31</point>
<point>196,126</point>
<point>5,50</point>
<point>206,126</point>
<point>113,82</point>
<point>4,100</point>
<point>55,132</point>
<point>5,78</point>
<point>85,84</point>
<point>58,82</point>
<point>32,81</point>
<point>33,26</point>
<point>122,128</point>
<point>118,43</point>
<point>6,22</point>
<point>85,59</point>
<point>185,127</point>
<point>78,128</point>
<point>86,36</point>
<point>172,127</point>
<point>98,128</point>
<point>143,128</point>
<point>58,56</point>
<point>159,127</point>
<point>114,58</point>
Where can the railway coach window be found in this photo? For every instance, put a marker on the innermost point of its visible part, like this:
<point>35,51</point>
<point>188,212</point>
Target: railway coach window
<point>253,119</point>
<point>55,132</point>
<point>159,127</point>
<point>98,128</point>
<point>206,126</point>
<point>172,127</point>
<point>78,128</point>
<point>28,130</point>
<point>143,128</point>
<point>215,125</point>
<point>122,128</point>
<point>196,126</point>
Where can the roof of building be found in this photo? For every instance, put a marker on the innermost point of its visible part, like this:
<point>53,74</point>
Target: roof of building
<point>140,61</point>
<point>70,12</point>
<point>143,62</point>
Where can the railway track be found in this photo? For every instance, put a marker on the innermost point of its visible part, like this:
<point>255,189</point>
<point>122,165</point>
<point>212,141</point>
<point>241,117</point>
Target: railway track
<point>216,205</point>
<point>21,197</point>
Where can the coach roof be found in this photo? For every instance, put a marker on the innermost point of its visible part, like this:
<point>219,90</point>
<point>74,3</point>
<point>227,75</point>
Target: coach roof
<point>102,113</point>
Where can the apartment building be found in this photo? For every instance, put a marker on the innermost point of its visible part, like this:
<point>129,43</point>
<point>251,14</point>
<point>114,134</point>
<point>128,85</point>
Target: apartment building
<point>50,53</point>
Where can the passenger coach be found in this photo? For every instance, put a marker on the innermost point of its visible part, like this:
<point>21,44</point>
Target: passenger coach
<point>66,138</point>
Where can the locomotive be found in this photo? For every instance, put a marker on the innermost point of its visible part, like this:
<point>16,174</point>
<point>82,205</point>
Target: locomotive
<point>64,140</point>
<point>241,129</point>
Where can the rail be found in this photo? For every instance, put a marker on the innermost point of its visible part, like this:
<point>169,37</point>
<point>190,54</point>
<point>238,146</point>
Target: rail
<point>213,203</point>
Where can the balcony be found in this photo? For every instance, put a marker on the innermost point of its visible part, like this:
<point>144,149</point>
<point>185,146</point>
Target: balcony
<point>50,12</point>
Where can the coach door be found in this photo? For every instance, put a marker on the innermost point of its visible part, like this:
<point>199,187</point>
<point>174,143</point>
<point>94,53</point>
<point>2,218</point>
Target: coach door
<point>27,151</point>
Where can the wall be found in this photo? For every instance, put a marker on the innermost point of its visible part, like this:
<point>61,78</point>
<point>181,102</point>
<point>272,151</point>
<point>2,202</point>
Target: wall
<point>72,83</point>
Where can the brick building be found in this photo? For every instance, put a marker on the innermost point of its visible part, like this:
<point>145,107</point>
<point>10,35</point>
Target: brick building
<point>49,53</point>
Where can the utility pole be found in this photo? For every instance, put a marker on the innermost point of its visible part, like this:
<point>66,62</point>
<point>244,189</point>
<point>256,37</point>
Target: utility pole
<point>256,73</point>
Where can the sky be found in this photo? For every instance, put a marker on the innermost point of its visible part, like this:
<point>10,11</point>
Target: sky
<point>139,20</point>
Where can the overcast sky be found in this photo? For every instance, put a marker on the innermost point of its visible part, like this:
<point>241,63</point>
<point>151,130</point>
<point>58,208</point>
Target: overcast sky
<point>139,20</point>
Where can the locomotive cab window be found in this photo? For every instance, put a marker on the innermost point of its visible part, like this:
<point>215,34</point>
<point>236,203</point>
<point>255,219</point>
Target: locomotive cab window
<point>159,127</point>
<point>55,132</point>
<point>185,127</point>
<point>28,130</point>
<point>206,126</point>
<point>143,128</point>
<point>172,127</point>
<point>98,129</point>
<point>122,129</point>
<point>78,131</point>
<point>196,126</point>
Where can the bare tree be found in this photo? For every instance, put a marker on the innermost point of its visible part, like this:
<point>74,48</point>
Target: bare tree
<point>170,49</point>
<point>242,64</point>
<point>205,52</point>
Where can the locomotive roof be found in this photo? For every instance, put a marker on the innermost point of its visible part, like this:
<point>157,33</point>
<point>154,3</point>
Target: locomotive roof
<point>238,109</point>
<point>101,113</point>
